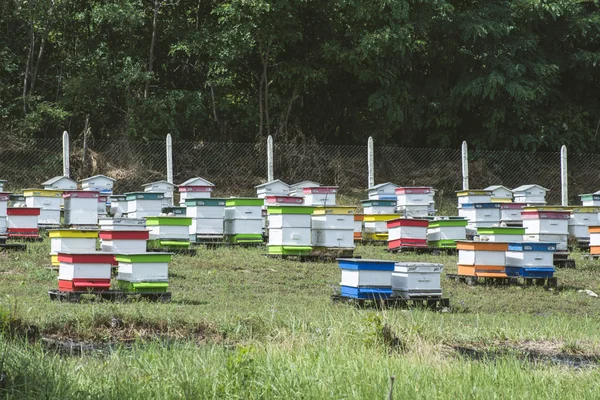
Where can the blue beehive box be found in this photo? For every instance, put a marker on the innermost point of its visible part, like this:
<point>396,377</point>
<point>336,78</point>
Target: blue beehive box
<point>366,279</point>
<point>530,259</point>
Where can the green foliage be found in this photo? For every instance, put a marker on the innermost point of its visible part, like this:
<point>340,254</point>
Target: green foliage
<point>519,74</point>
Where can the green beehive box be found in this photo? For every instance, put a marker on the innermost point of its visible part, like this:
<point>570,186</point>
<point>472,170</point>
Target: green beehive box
<point>501,230</point>
<point>289,250</point>
<point>143,287</point>
<point>443,244</point>
<point>244,201</point>
<point>447,222</point>
<point>168,221</point>
<point>245,238</point>
<point>212,202</point>
<point>290,210</point>
<point>144,257</point>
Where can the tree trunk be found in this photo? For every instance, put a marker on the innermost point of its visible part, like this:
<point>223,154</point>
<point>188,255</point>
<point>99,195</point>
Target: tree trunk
<point>260,106</point>
<point>28,66</point>
<point>212,96</point>
<point>47,14</point>
<point>198,14</point>
<point>157,5</point>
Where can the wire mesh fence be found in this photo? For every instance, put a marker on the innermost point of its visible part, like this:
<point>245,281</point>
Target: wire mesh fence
<point>235,168</point>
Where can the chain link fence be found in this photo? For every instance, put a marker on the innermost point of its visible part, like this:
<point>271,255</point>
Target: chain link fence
<point>235,168</point>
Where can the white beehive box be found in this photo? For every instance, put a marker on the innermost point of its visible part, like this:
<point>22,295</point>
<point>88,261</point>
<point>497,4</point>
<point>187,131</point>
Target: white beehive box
<point>481,257</point>
<point>379,206</point>
<point>164,187</point>
<point>413,211</point>
<point>530,194</point>
<point>22,219</point>
<point>143,267</point>
<point>122,224</point>
<point>484,214</point>
<point>366,273</point>
<point>243,212</point>
<point>320,196</point>
<point>414,279</point>
<point>144,204</point>
<point>94,265</point>
<point>546,222</point>
<point>333,227</point>
<point>207,227</point>
<point>169,228</point>
<point>98,183</point>
<point>500,193</point>
<point>383,191</point>
<point>415,196</point>
<point>124,242</point>
<point>581,219</point>
<point>273,188</point>
<point>4,198</point>
<point>60,183</point>
<point>296,189</point>
<point>72,241</point>
<point>473,196</point>
<point>533,255</point>
<point>207,216</point>
<point>511,212</point>
<point>81,207</point>
<point>49,203</point>
<point>243,226</point>
<point>118,205</point>
<point>590,200</point>
<point>407,232</point>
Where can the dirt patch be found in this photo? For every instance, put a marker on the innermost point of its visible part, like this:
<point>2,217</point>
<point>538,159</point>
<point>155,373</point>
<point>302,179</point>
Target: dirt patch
<point>534,352</point>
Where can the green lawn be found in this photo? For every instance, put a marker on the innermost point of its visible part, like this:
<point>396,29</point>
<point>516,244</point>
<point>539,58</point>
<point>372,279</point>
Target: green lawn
<point>245,326</point>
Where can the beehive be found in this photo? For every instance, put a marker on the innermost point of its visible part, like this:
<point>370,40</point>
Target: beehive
<point>48,201</point>
<point>590,200</point>
<point>71,241</point>
<point>415,201</point>
<point>81,207</point>
<point>530,194</point>
<point>163,187</point>
<point>375,226</point>
<point>444,232</point>
<point>194,192</point>
<point>482,259</point>
<point>143,272</point>
<point>500,234</point>
<point>510,213</point>
<point>283,201</point>
<point>333,227</point>
<point>144,204</point>
<point>407,232</point>
<point>84,272</point>
<point>480,214</point>
<point>546,226</point>
<point>118,205</point>
<point>366,279</point>
<point>581,219</point>
<point>530,260</point>
<point>207,218</point>
<point>22,222</point>
<point>500,194</point>
<point>4,198</point>
<point>122,241</point>
<point>473,196</point>
<point>379,206</point>
<point>320,196</point>
<point>415,279</point>
<point>169,231</point>
<point>289,230</point>
<point>297,188</point>
<point>273,188</point>
<point>594,239</point>
<point>244,220</point>
<point>383,191</point>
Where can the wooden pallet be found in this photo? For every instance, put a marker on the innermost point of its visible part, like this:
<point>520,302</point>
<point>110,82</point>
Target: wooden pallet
<point>591,256</point>
<point>108,295</point>
<point>562,260</point>
<point>13,246</point>
<point>26,238</point>
<point>405,249</point>
<point>332,257</point>
<point>395,302</point>
<point>183,252</point>
<point>214,245</point>
<point>475,280</point>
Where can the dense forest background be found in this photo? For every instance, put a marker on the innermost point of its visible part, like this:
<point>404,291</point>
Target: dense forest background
<point>520,74</point>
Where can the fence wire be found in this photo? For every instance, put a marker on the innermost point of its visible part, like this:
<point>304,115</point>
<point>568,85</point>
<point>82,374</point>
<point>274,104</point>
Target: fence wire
<point>235,168</point>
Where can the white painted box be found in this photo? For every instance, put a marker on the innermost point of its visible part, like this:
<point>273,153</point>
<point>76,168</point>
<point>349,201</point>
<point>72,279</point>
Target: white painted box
<point>289,236</point>
<point>413,211</point>
<point>481,257</point>
<point>529,258</point>
<point>49,217</point>
<point>376,226</point>
<point>407,232</point>
<point>69,271</point>
<point>361,278</point>
<point>169,232</point>
<point>22,221</point>
<point>342,238</point>
<point>124,246</point>
<point>140,272</point>
<point>552,226</point>
<point>273,188</point>
<point>122,224</point>
<point>383,191</point>
<point>446,233</point>
<point>333,221</point>
<point>243,212</point>
<point>243,226</point>
<point>417,278</point>
<point>561,240</point>
<point>289,221</point>
<point>207,226</point>
<point>73,245</point>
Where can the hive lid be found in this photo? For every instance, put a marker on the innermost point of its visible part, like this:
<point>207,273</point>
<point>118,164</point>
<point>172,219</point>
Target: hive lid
<point>144,196</point>
<point>501,230</point>
<point>379,217</point>
<point>214,202</point>
<point>448,222</point>
<point>73,233</point>
<point>271,183</point>
<point>365,264</point>
<point>416,222</point>
<point>480,205</point>
<point>152,257</point>
<point>244,201</point>
<point>532,246</point>
<point>379,203</point>
<point>302,210</point>
<point>168,221</point>
<point>417,265</point>
<point>473,192</point>
<point>42,193</point>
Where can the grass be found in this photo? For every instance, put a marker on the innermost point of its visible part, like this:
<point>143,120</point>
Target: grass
<point>245,326</point>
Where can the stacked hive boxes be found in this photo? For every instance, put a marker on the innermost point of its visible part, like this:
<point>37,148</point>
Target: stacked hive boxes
<point>71,241</point>
<point>143,272</point>
<point>273,188</point>
<point>123,235</point>
<point>289,230</point>
<point>144,204</point>
<point>366,279</point>
<point>375,226</point>
<point>510,214</point>
<point>243,220</point>
<point>482,259</point>
<point>195,188</point>
<point>84,271</point>
<point>416,280</point>
<point>530,260</point>
<point>118,205</point>
<point>333,227</point>
<point>443,232</point>
<point>547,225</point>
<point>164,188</point>
<point>81,208</point>
<point>530,194</point>
<point>48,201</point>
<point>320,196</point>
<point>407,233</point>
<point>501,234</point>
<point>480,214</point>
<point>379,206</point>
<point>60,183</point>
<point>207,218</point>
<point>169,232</point>
<point>415,201</point>
<point>99,183</point>
<point>22,222</point>
<point>581,219</point>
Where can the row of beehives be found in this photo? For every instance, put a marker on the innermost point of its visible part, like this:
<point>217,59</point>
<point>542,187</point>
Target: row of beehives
<point>123,242</point>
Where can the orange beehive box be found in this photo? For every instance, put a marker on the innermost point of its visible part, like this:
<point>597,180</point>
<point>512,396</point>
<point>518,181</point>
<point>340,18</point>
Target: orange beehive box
<point>482,271</point>
<point>485,246</point>
<point>594,239</point>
